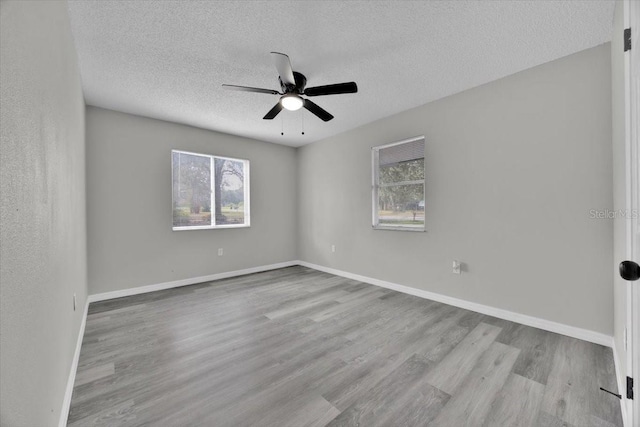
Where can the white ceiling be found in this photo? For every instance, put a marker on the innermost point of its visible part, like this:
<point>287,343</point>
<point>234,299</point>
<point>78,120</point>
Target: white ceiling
<point>168,59</point>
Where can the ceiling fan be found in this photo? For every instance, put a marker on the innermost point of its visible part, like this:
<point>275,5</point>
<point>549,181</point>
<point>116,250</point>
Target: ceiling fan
<point>293,85</point>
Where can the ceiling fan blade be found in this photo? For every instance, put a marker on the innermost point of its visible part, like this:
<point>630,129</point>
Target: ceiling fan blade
<point>336,89</point>
<point>273,112</point>
<point>317,110</point>
<point>251,89</point>
<point>283,65</point>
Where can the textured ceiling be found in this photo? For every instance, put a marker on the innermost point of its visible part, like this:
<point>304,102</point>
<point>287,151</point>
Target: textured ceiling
<point>168,59</point>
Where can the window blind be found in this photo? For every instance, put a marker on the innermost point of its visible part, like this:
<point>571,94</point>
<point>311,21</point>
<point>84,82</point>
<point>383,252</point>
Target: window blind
<point>401,153</point>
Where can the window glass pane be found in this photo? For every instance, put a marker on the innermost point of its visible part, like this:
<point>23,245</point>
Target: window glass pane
<point>401,206</point>
<point>398,190</point>
<point>230,191</point>
<point>191,190</point>
<point>411,170</point>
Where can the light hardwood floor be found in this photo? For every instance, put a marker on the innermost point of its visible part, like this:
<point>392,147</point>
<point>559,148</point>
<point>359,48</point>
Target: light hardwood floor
<point>297,347</point>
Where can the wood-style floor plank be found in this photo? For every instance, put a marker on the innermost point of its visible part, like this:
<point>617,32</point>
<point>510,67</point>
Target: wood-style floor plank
<point>471,403</point>
<point>453,370</point>
<point>386,398</point>
<point>538,349</point>
<point>517,404</point>
<point>571,393</point>
<point>94,374</point>
<point>299,347</point>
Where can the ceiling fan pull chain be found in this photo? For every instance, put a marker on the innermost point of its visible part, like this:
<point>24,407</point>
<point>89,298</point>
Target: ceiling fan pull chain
<point>302,117</point>
<point>281,126</point>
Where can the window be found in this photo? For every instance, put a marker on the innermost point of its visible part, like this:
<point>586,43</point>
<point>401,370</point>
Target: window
<point>398,185</point>
<point>209,191</point>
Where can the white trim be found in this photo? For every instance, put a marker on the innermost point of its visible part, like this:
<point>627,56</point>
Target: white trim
<point>66,402</point>
<point>395,228</point>
<point>631,19</point>
<point>547,325</point>
<point>621,386</point>
<point>376,185</point>
<point>245,185</point>
<point>210,227</point>
<point>185,282</point>
<point>404,141</point>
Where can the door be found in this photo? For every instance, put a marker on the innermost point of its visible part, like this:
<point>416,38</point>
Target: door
<point>634,233</point>
<point>632,90</point>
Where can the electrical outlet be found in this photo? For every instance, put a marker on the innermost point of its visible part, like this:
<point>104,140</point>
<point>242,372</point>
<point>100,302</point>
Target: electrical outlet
<point>220,251</point>
<point>456,266</point>
<point>333,248</point>
<point>74,302</point>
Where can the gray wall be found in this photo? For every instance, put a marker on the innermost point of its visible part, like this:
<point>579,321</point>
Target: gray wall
<point>42,210</point>
<point>513,169</point>
<point>619,184</point>
<point>130,239</point>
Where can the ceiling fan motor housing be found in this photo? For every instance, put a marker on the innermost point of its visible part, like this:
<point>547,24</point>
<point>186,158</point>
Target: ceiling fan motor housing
<point>301,82</point>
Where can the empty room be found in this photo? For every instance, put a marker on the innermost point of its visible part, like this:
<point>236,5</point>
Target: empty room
<point>319,213</point>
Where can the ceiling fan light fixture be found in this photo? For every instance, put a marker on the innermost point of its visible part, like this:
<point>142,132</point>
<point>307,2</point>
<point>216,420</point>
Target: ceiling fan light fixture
<point>291,102</point>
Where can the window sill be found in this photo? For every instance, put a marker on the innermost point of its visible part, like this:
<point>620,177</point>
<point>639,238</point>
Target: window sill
<point>206,227</point>
<point>391,228</point>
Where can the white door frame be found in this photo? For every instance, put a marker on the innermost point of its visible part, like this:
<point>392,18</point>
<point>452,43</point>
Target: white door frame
<point>632,167</point>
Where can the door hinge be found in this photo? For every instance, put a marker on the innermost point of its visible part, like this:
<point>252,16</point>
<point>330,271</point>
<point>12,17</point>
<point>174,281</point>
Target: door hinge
<point>627,39</point>
<point>629,388</point>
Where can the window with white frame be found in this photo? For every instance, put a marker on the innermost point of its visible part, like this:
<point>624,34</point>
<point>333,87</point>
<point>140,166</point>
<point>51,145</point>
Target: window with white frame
<point>398,185</point>
<point>209,191</point>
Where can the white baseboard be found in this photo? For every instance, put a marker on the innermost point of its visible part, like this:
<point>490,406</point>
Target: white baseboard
<point>621,385</point>
<point>547,325</point>
<point>66,402</point>
<point>185,282</point>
